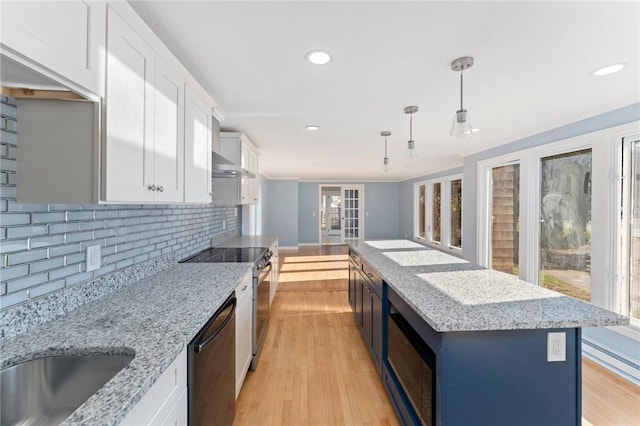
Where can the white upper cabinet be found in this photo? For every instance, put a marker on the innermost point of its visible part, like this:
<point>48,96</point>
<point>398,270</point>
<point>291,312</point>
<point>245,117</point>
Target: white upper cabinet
<point>128,153</point>
<point>238,148</point>
<point>65,37</point>
<point>197,151</point>
<point>169,134</point>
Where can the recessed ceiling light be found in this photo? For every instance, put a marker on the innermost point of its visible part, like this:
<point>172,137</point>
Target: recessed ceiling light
<point>318,57</point>
<point>609,69</point>
<point>475,130</point>
<point>312,127</point>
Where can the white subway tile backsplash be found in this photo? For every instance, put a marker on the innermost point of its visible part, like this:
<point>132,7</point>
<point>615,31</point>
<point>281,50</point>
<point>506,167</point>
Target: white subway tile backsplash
<point>26,231</point>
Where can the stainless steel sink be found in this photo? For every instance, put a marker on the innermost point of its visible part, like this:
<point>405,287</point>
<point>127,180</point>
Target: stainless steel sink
<point>45,391</point>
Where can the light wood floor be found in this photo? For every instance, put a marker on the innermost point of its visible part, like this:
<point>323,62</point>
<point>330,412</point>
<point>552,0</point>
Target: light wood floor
<point>316,370</point>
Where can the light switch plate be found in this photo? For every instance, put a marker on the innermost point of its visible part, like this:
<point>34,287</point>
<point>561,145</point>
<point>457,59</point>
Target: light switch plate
<point>93,258</point>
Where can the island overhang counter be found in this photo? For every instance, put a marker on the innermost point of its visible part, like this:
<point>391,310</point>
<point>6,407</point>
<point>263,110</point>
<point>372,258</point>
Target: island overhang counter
<point>460,344</point>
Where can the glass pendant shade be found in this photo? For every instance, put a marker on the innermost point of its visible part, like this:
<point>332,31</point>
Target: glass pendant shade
<point>411,153</point>
<point>461,125</point>
<point>386,164</point>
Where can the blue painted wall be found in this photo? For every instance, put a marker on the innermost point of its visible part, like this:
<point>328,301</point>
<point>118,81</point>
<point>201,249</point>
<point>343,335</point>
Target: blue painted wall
<point>281,211</point>
<point>308,209</point>
<point>382,211</point>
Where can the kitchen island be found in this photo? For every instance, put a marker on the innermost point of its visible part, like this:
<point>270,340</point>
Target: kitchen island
<point>492,349</point>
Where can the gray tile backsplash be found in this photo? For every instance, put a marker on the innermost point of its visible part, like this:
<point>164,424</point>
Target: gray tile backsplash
<point>43,247</point>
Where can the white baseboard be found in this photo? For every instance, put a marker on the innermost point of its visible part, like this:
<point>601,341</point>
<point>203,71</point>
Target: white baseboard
<point>611,360</point>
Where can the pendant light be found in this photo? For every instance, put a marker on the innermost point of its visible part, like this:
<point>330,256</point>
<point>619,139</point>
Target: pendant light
<point>461,125</point>
<point>386,165</point>
<point>410,153</point>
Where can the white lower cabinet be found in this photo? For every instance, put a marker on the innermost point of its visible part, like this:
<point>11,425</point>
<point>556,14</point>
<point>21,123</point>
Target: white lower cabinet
<point>244,329</point>
<point>165,403</point>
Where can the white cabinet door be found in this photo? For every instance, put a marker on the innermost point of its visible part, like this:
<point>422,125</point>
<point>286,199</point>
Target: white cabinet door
<point>67,37</point>
<point>197,149</point>
<point>244,296</point>
<point>168,135</point>
<point>128,154</point>
<point>158,405</point>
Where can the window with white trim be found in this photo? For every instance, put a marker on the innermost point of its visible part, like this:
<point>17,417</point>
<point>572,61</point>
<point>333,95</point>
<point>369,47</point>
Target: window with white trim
<point>439,212</point>
<point>630,237</point>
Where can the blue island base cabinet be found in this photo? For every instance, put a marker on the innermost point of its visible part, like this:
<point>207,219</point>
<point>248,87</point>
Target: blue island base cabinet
<point>493,378</point>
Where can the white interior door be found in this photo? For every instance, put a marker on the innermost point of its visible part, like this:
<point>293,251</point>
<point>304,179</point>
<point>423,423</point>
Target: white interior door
<point>352,216</point>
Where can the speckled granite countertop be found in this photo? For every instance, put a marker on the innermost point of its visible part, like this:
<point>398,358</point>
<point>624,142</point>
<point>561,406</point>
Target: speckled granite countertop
<point>155,317</point>
<point>451,294</point>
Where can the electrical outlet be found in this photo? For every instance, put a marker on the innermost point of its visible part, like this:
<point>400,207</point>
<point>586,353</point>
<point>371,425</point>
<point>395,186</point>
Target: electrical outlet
<point>556,347</point>
<point>93,258</point>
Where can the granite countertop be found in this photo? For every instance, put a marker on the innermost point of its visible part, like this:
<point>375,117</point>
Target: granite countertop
<point>451,294</point>
<point>155,318</point>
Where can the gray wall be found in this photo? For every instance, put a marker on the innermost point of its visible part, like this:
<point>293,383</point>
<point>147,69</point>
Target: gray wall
<point>381,200</point>
<point>281,211</point>
<point>43,246</point>
<point>308,210</point>
<point>469,180</point>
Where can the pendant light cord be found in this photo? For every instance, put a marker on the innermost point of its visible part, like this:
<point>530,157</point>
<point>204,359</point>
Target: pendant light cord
<point>411,126</point>
<point>461,90</point>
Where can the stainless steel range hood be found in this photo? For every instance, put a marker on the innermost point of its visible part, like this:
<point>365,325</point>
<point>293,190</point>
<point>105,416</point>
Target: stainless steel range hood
<point>223,168</point>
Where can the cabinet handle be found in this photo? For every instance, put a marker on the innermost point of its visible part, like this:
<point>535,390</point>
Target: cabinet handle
<point>161,188</point>
<point>151,187</point>
<point>244,288</point>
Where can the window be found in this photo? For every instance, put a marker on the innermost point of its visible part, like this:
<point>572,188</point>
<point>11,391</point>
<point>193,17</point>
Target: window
<point>505,218</point>
<point>455,209</point>
<point>565,224</point>
<point>421,212</point>
<point>631,228</point>
<point>439,212</point>
<point>436,203</point>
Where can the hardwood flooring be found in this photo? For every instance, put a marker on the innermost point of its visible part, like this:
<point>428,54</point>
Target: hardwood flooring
<point>316,370</point>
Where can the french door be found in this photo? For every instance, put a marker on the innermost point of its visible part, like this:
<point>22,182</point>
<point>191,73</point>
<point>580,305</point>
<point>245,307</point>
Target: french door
<point>352,216</point>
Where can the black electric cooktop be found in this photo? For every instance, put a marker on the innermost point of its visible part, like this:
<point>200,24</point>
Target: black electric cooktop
<point>227,254</point>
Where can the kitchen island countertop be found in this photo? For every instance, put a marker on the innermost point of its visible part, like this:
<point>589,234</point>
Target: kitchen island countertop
<point>451,294</point>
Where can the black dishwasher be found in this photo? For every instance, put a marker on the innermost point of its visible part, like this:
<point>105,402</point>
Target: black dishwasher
<point>211,369</point>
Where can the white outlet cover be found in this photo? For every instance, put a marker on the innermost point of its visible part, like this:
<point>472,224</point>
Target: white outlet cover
<point>93,258</point>
<point>556,347</point>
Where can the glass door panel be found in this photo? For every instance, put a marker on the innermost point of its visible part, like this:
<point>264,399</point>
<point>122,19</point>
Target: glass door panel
<point>631,202</point>
<point>352,212</point>
<point>565,224</point>
<point>505,218</point>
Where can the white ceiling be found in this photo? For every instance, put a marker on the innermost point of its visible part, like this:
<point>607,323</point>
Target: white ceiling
<point>533,72</point>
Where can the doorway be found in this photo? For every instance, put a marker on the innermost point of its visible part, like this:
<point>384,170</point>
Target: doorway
<point>340,215</point>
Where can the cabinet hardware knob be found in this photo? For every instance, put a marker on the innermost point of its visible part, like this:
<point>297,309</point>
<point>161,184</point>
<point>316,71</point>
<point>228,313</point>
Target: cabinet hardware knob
<point>161,188</point>
<point>244,288</point>
<point>151,187</point>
